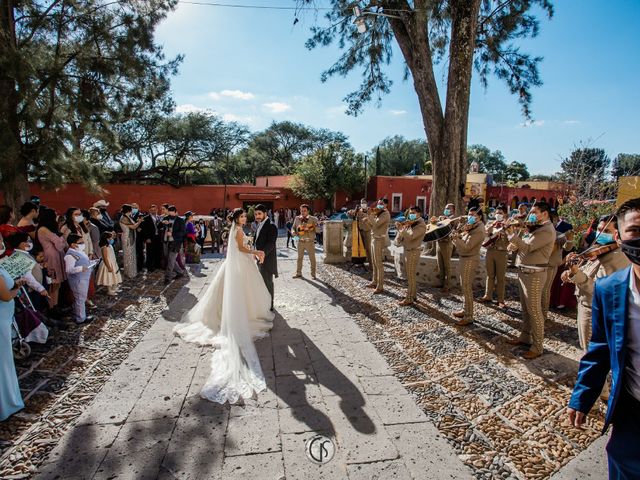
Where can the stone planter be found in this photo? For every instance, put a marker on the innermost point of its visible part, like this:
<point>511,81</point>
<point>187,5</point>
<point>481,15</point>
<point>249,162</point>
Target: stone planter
<point>333,242</point>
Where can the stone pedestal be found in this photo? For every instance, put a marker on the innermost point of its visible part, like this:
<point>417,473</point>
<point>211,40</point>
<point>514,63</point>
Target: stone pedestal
<point>333,242</point>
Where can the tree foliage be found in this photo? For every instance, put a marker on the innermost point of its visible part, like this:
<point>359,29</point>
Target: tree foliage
<point>626,165</point>
<point>516,172</point>
<point>399,156</point>
<point>176,149</point>
<point>69,71</point>
<point>463,35</point>
<point>327,170</point>
<point>585,162</point>
<point>492,163</point>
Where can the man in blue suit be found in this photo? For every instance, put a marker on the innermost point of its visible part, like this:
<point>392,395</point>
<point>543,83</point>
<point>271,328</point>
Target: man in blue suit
<point>615,346</point>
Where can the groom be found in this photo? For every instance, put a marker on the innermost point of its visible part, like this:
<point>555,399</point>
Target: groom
<point>266,237</point>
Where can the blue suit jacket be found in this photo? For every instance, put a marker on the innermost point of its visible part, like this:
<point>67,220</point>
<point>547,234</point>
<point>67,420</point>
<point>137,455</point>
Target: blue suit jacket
<point>608,346</point>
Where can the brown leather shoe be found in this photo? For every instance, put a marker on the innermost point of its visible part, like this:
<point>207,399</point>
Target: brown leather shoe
<point>516,341</point>
<point>445,290</point>
<point>405,303</point>
<point>464,322</point>
<point>484,300</point>
<point>459,314</point>
<point>378,291</point>
<point>530,355</point>
<point>372,285</point>
<point>297,276</point>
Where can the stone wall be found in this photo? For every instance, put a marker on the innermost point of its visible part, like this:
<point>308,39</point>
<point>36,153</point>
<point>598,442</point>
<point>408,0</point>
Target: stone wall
<point>428,269</point>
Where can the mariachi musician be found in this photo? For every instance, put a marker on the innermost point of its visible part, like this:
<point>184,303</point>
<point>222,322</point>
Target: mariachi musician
<point>534,250</point>
<point>444,250</point>
<point>410,235</point>
<point>378,220</point>
<point>564,242</point>
<point>601,260</point>
<point>496,258</point>
<point>468,240</point>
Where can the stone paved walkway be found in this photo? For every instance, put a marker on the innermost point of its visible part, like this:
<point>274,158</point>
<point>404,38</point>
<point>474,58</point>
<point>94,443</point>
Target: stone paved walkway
<point>323,376</point>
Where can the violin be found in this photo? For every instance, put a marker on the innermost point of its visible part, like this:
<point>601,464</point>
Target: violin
<point>590,253</point>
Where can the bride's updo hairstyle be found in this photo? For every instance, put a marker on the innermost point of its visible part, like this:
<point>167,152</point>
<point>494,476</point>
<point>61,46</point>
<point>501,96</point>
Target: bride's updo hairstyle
<point>236,215</point>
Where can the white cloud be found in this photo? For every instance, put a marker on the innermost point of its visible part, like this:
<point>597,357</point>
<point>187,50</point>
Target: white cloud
<point>277,107</point>
<point>237,94</point>
<point>232,117</point>
<point>532,123</point>
<point>397,112</point>
<point>190,108</point>
<point>571,122</point>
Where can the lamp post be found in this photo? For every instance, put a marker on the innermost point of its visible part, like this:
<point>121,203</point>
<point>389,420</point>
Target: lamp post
<point>359,17</point>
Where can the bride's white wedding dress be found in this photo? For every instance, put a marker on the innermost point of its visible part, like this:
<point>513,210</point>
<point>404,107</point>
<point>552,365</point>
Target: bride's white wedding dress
<point>233,312</point>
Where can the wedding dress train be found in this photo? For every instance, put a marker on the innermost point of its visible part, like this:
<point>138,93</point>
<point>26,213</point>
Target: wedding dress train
<point>233,312</point>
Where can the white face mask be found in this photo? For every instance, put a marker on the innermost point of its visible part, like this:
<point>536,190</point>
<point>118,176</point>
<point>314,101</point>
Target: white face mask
<point>28,247</point>
<point>81,247</point>
<point>100,217</point>
<point>78,218</point>
<point>499,217</point>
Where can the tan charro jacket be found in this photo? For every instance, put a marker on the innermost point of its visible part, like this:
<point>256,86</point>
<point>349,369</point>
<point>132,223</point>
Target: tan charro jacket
<point>468,244</point>
<point>379,224</point>
<point>308,230</point>
<point>362,224</point>
<point>501,243</point>
<point>603,266</point>
<point>559,246</point>
<point>411,237</point>
<point>534,249</point>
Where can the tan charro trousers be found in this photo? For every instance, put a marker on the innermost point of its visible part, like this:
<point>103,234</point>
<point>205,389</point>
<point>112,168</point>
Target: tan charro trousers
<point>584,325</point>
<point>496,273</point>
<point>546,291</point>
<point>309,247</point>
<point>377,260</point>
<point>443,252</point>
<point>531,285</point>
<point>411,260</point>
<point>468,268</point>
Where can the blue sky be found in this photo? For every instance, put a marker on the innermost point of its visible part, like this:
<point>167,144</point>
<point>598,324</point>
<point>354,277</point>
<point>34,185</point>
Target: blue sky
<point>251,65</point>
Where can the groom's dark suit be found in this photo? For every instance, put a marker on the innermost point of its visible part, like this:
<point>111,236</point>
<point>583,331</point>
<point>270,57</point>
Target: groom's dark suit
<point>266,241</point>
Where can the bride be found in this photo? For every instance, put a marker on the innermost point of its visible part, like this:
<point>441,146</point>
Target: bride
<point>235,309</point>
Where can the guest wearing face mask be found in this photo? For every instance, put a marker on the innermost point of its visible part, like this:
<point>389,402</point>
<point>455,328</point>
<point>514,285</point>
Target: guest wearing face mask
<point>102,205</point>
<point>53,245</point>
<point>585,270</point>
<point>129,227</point>
<point>99,220</point>
<point>78,269</point>
<point>615,347</point>
<point>496,258</point>
<point>75,223</point>
<point>23,245</point>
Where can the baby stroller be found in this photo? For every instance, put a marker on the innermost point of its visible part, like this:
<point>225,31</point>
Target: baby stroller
<point>28,327</point>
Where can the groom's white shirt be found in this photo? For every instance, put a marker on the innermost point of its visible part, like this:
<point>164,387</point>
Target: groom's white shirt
<point>260,227</point>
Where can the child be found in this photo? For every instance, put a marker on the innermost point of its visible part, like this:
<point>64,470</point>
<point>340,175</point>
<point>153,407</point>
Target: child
<point>22,245</point>
<point>108,271</point>
<point>78,268</point>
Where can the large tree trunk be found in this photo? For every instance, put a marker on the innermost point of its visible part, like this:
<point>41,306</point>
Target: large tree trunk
<point>13,167</point>
<point>446,131</point>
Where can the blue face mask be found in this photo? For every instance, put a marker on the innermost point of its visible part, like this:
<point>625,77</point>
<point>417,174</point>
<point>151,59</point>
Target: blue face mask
<point>112,241</point>
<point>447,212</point>
<point>471,220</point>
<point>134,211</point>
<point>604,239</point>
<point>412,216</point>
<point>380,206</point>
<point>533,218</point>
